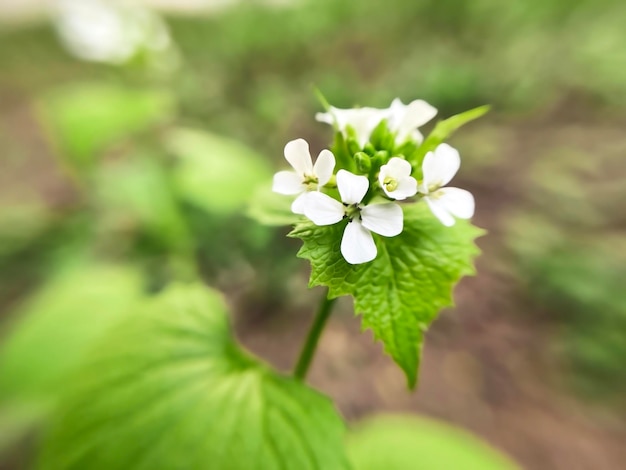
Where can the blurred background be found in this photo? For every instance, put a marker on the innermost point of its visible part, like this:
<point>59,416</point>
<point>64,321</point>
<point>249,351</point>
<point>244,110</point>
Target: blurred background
<point>133,137</point>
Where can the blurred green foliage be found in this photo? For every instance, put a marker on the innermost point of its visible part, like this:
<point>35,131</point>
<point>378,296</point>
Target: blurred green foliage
<point>403,442</point>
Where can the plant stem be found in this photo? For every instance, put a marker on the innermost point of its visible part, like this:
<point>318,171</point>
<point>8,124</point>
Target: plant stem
<point>308,349</point>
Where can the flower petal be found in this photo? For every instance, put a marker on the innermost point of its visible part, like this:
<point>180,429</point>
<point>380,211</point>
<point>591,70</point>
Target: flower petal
<point>298,155</point>
<point>326,118</point>
<point>397,168</point>
<point>323,209</point>
<point>405,119</point>
<point>352,188</point>
<point>384,219</point>
<point>362,120</point>
<point>416,136</point>
<point>299,203</point>
<point>357,244</point>
<point>287,182</point>
<point>418,113</point>
<point>324,166</point>
<point>440,211</point>
<point>407,187</point>
<point>440,166</point>
<point>458,202</point>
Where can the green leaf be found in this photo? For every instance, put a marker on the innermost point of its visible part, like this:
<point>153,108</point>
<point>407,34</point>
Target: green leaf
<point>55,327</point>
<point>403,289</point>
<point>214,173</point>
<point>270,208</point>
<point>171,389</point>
<point>81,119</point>
<point>49,336</point>
<point>403,442</point>
<point>443,130</point>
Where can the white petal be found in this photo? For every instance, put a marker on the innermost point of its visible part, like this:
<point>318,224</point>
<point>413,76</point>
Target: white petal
<point>326,118</point>
<point>405,119</point>
<point>324,166</point>
<point>323,209</point>
<point>299,203</point>
<point>384,219</point>
<point>407,187</point>
<point>357,244</point>
<point>397,168</point>
<point>416,136</point>
<point>298,155</point>
<point>352,188</point>
<point>287,182</point>
<point>440,211</point>
<point>440,166</point>
<point>458,202</point>
<point>362,120</point>
<point>418,113</point>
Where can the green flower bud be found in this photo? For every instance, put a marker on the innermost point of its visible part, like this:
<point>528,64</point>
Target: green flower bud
<point>363,162</point>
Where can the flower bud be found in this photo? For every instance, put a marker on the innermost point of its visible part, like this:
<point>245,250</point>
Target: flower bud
<point>363,162</point>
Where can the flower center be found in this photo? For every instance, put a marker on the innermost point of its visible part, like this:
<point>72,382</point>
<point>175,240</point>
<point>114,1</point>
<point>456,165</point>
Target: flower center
<point>390,183</point>
<point>352,211</point>
<point>310,181</point>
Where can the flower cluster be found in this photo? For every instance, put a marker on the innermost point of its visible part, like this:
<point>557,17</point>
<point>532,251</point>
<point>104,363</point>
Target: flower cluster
<point>376,167</point>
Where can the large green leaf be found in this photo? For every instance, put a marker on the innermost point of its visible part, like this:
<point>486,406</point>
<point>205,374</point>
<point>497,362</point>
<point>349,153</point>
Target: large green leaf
<point>170,389</point>
<point>213,172</point>
<point>411,443</point>
<point>50,335</point>
<point>83,118</point>
<point>55,327</point>
<point>403,289</point>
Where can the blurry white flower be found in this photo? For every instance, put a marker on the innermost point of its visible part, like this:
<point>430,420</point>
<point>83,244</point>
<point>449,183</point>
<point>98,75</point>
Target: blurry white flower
<point>357,243</point>
<point>362,120</point>
<point>305,176</point>
<point>438,168</point>
<point>110,31</point>
<point>396,180</point>
<point>404,119</point>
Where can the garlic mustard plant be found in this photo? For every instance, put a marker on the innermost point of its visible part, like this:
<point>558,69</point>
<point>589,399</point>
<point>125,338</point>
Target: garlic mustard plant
<point>378,222</point>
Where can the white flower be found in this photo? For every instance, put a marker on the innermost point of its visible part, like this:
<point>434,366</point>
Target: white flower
<point>404,119</point>
<point>396,180</point>
<point>362,120</point>
<point>439,167</point>
<point>306,176</point>
<point>357,243</point>
<point>111,32</point>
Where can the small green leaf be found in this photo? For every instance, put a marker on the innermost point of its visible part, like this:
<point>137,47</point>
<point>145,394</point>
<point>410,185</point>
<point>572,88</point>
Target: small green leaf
<point>215,173</point>
<point>403,442</point>
<point>403,289</point>
<point>170,389</point>
<point>443,130</point>
<point>270,208</point>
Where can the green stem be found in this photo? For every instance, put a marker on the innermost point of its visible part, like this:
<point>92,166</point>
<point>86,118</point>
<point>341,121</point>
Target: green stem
<point>308,349</point>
